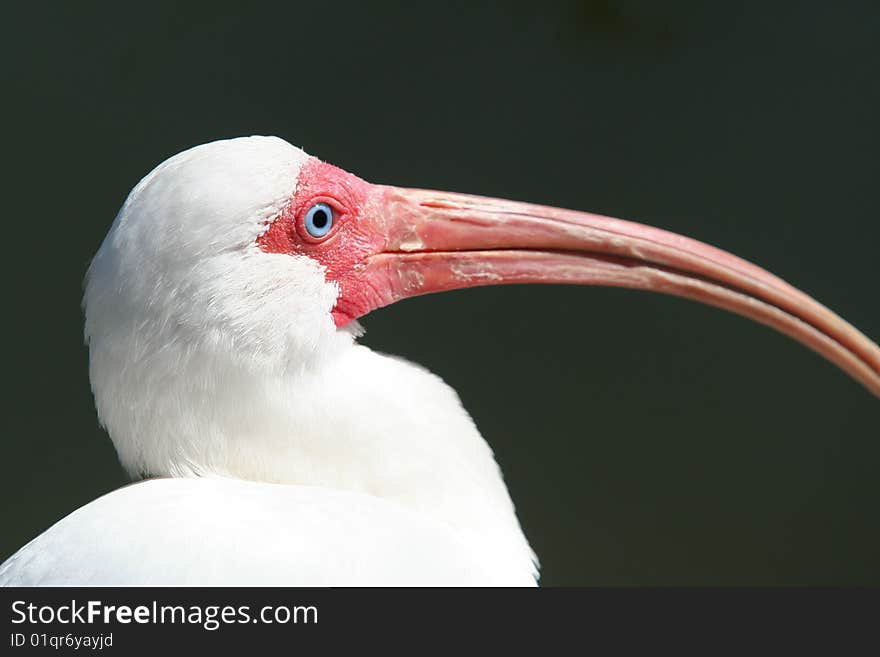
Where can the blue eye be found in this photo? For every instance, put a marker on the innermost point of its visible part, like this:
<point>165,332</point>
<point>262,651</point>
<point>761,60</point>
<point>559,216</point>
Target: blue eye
<point>319,220</point>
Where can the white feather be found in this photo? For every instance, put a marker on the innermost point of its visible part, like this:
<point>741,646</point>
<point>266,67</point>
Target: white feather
<point>210,358</point>
<point>187,532</point>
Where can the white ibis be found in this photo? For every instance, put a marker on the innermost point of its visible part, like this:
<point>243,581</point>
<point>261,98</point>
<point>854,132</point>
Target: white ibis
<point>221,320</point>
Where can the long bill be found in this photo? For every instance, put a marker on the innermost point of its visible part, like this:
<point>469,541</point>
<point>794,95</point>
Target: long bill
<point>438,241</point>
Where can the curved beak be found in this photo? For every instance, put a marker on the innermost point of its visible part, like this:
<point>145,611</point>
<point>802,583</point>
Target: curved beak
<point>436,241</point>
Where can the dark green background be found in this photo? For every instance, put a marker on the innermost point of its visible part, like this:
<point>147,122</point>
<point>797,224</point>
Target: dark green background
<point>646,440</point>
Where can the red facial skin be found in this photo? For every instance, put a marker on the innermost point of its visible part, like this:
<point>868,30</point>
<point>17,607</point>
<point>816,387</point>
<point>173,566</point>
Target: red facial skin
<point>388,243</point>
<point>347,243</point>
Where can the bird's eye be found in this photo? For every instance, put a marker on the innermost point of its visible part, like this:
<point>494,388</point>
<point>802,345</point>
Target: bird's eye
<point>319,220</point>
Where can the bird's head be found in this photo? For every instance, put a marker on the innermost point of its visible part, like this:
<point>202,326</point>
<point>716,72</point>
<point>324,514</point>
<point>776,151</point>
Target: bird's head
<point>250,253</point>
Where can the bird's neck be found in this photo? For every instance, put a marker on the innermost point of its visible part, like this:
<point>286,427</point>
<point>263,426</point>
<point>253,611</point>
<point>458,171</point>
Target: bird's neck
<point>360,421</point>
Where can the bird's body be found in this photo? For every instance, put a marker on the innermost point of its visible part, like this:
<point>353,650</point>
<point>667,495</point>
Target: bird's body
<point>221,320</point>
<point>228,532</point>
<point>419,478</point>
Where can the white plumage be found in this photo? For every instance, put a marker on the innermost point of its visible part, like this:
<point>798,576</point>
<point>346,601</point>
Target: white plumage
<point>211,359</point>
<point>188,531</point>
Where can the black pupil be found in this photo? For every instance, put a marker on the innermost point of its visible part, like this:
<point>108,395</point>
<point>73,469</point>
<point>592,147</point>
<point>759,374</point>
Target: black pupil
<point>320,218</point>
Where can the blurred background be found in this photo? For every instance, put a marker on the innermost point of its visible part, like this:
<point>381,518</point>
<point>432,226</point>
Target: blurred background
<point>646,440</point>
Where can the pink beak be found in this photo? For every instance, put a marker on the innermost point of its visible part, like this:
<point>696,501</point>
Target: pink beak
<point>437,241</point>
